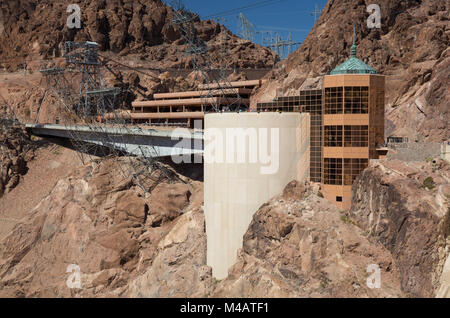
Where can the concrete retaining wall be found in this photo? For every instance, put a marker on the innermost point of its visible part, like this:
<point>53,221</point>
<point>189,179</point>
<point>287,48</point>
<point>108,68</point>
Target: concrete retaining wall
<point>236,189</point>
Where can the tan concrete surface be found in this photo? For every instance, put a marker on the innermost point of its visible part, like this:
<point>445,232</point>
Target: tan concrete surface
<point>235,191</point>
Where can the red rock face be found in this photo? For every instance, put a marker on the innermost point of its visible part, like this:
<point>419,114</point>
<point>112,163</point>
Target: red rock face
<point>300,245</point>
<point>411,49</point>
<point>99,220</point>
<point>16,149</point>
<point>35,29</point>
<point>405,206</point>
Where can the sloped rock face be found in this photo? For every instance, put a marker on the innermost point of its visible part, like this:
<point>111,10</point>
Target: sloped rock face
<point>129,243</point>
<point>36,29</point>
<point>179,269</point>
<point>405,207</point>
<point>299,245</point>
<point>16,150</point>
<point>411,48</point>
<point>126,244</point>
<point>98,220</point>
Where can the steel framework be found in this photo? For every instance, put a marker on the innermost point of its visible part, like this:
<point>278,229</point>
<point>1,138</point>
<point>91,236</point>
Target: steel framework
<point>246,28</point>
<point>184,21</point>
<point>94,99</point>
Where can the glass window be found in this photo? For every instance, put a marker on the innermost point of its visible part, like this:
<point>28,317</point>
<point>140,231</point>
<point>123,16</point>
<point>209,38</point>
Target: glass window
<point>333,136</point>
<point>333,100</point>
<point>356,136</point>
<point>356,100</point>
<point>353,168</point>
<point>333,171</point>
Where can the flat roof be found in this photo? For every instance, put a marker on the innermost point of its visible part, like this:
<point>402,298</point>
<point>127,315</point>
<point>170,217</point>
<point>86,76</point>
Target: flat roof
<point>233,84</point>
<point>218,92</point>
<point>105,129</point>
<point>180,115</point>
<point>189,102</point>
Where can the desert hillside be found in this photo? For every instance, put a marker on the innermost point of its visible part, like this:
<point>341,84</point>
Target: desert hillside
<point>411,49</point>
<point>138,41</point>
<point>143,31</point>
<point>128,244</point>
<point>148,238</point>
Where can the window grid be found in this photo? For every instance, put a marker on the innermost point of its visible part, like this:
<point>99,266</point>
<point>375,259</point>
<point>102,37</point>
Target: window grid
<point>356,100</point>
<point>333,136</point>
<point>356,136</point>
<point>333,171</point>
<point>353,168</point>
<point>333,100</point>
<point>309,101</point>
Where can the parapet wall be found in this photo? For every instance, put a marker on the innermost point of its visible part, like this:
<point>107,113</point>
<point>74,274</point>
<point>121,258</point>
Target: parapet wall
<point>249,158</point>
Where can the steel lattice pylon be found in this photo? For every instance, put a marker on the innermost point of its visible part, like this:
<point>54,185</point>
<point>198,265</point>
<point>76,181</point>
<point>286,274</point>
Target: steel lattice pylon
<point>184,21</point>
<point>246,28</point>
<point>94,99</point>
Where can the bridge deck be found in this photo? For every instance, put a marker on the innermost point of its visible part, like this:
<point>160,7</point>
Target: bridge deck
<point>137,141</point>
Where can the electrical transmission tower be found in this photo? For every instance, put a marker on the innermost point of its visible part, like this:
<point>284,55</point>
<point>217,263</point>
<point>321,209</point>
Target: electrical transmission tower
<point>283,48</point>
<point>246,28</point>
<point>316,13</point>
<point>94,98</point>
<point>55,83</point>
<point>215,98</point>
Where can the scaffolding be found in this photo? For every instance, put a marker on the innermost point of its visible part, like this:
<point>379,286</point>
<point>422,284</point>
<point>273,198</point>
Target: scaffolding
<point>55,83</point>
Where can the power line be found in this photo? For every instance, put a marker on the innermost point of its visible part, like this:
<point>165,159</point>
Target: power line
<point>129,67</point>
<point>255,5</point>
<point>270,28</point>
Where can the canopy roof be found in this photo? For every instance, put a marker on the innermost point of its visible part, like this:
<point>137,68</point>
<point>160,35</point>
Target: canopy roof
<point>353,65</point>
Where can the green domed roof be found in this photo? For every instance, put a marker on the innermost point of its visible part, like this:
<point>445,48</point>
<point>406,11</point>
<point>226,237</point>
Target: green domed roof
<point>353,65</point>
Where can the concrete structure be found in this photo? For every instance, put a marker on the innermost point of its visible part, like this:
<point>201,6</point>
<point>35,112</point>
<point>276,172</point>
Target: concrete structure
<point>236,188</point>
<point>309,101</point>
<point>353,131</point>
<point>149,143</point>
<point>183,108</point>
<point>445,151</point>
<point>347,125</point>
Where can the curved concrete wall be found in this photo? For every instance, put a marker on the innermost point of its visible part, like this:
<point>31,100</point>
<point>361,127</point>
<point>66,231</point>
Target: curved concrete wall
<point>249,158</point>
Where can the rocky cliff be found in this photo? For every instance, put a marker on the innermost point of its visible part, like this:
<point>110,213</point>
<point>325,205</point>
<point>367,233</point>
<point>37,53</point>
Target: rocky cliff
<point>300,245</point>
<point>411,48</point>
<point>406,207</point>
<point>129,244</point>
<point>16,150</point>
<point>99,220</point>
<point>36,29</point>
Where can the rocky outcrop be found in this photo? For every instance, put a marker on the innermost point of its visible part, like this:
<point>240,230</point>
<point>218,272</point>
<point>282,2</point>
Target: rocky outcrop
<point>411,48</point>
<point>16,150</point>
<point>35,29</point>
<point>129,243</point>
<point>405,207</point>
<point>299,245</point>
<point>100,221</point>
<point>150,241</point>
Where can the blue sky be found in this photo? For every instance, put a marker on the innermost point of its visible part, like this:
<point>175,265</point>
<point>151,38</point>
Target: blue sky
<point>277,15</point>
